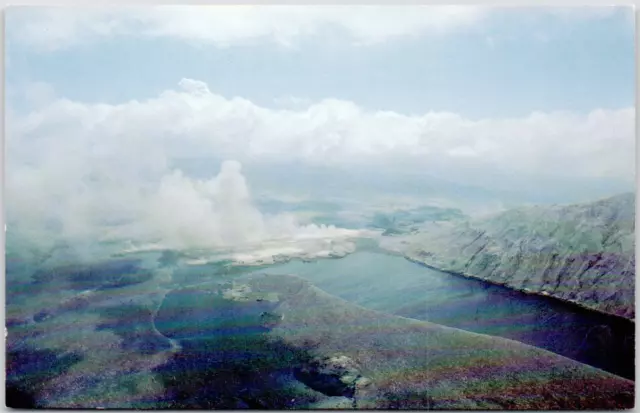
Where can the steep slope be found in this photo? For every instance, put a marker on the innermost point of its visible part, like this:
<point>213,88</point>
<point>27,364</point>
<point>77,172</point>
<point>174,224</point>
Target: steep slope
<point>581,253</point>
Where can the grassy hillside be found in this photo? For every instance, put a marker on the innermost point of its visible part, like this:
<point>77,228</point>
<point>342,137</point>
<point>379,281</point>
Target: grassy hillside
<point>277,342</point>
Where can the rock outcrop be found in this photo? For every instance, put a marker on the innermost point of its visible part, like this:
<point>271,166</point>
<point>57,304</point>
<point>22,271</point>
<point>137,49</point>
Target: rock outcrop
<point>336,375</point>
<point>582,253</point>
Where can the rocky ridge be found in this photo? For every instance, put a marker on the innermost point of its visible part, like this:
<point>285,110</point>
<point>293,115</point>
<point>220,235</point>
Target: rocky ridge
<point>582,253</point>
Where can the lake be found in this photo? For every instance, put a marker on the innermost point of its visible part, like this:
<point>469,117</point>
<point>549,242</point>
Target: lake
<point>392,284</point>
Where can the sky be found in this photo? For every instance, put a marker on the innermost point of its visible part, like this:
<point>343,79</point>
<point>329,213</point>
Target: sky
<point>103,103</point>
<point>475,62</point>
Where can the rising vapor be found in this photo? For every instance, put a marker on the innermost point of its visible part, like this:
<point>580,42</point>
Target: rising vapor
<point>180,213</point>
<point>219,213</point>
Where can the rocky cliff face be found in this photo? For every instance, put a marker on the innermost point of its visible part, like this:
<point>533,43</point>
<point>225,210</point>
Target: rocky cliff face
<point>582,253</point>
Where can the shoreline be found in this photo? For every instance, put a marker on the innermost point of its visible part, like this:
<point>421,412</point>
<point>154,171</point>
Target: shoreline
<point>281,259</point>
<point>417,261</point>
<point>529,292</point>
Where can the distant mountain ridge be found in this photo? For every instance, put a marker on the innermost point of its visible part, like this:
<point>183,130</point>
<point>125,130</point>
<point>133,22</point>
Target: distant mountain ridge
<point>582,253</point>
<point>406,220</point>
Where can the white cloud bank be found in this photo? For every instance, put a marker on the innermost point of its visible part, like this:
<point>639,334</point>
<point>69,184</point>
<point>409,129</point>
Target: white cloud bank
<point>72,166</point>
<point>219,213</point>
<point>53,28</point>
<point>194,121</point>
<point>223,26</point>
<point>215,216</point>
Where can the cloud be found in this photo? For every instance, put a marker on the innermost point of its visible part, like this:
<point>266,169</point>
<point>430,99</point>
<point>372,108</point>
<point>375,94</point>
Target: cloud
<point>100,171</point>
<point>219,213</point>
<point>588,12</point>
<point>55,28</point>
<point>193,120</point>
<point>50,29</point>
<point>292,102</point>
<point>39,94</point>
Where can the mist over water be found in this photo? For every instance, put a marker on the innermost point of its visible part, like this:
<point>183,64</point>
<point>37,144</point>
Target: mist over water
<point>179,213</point>
<point>220,213</point>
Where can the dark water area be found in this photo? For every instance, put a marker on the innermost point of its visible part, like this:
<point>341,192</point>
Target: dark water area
<point>202,312</point>
<point>225,360</point>
<point>233,372</point>
<point>395,285</point>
